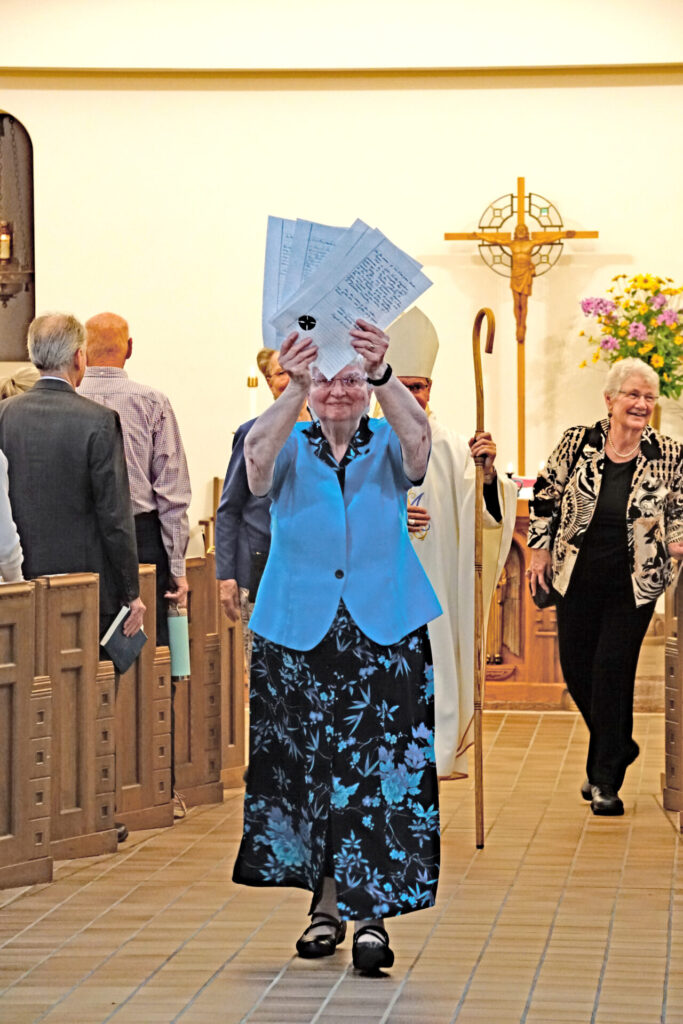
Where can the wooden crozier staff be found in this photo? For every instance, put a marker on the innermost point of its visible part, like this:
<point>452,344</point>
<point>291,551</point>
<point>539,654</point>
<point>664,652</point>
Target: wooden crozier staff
<point>478,582</point>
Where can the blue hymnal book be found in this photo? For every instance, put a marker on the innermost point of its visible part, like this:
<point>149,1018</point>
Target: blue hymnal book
<point>122,649</point>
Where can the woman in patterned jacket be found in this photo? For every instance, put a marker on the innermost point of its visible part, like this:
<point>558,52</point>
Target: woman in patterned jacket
<point>606,521</point>
<point>342,793</point>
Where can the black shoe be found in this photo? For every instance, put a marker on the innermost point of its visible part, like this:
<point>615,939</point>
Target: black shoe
<point>321,945</point>
<point>371,957</point>
<point>586,790</point>
<point>605,800</point>
<point>121,831</point>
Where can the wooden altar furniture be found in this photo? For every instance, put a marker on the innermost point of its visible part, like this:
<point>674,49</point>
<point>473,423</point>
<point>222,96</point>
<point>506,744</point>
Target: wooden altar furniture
<point>524,669</point>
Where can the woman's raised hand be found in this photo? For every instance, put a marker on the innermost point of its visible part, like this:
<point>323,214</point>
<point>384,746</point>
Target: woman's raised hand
<point>296,357</point>
<point>371,343</point>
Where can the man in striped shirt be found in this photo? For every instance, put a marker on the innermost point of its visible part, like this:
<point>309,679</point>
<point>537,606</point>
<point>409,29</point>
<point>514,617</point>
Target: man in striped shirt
<point>157,468</point>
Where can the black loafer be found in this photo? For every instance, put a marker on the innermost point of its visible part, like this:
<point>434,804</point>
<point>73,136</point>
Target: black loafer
<point>121,831</point>
<point>586,790</point>
<point>371,957</point>
<point>605,800</point>
<point>321,945</point>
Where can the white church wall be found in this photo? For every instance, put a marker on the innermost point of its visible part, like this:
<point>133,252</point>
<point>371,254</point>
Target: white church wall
<point>269,34</point>
<point>152,192</point>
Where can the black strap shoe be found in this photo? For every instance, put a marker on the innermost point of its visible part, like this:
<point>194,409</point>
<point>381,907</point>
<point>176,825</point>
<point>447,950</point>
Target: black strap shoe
<point>605,800</point>
<point>321,945</point>
<point>371,957</point>
<point>586,790</point>
<point>121,831</point>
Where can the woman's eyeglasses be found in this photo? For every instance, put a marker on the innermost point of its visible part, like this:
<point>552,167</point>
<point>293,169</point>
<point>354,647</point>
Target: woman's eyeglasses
<point>633,396</point>
<point>353,380</point>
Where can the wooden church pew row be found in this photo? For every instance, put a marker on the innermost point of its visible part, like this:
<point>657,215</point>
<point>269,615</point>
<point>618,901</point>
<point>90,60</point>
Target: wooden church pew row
<point>197,701</point>
<point>672,777</point>
<point>25,745</point>
<point>82,715</point>
<point>143,726</point>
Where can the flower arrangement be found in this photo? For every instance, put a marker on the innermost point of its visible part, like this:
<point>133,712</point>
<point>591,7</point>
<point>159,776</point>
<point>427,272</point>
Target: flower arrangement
<point>641,318</point>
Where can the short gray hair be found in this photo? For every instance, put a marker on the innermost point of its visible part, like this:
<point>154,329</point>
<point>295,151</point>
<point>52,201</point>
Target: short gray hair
<point>54,339</point>
<point>629,367</point>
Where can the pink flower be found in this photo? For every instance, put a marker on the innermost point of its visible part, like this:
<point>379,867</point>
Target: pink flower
<point>658,301</point>
<point>668,317</point>
<point>609,343</point>
<point>597,307</point>
<point>638,331</point>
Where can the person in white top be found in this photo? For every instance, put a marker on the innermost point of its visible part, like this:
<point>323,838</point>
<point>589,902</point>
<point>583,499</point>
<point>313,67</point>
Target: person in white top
<point>445,545</point>
<point>11,555</point>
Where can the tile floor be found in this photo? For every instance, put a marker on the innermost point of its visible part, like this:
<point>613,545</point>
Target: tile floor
<point>563,918</point>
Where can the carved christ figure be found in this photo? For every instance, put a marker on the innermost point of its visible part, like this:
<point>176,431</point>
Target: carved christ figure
<point>523,270</point>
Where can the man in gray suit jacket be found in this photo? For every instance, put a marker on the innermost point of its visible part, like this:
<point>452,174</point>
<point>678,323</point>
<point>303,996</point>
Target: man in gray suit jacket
<point>68,482</point>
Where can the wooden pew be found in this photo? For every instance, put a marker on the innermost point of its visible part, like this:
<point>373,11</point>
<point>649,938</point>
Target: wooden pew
<point>78,741</point>
<point>197,698</point>
<point>672,779</point>
<point>143,726</point>
<point>25,745</point>
<point>82,715</point>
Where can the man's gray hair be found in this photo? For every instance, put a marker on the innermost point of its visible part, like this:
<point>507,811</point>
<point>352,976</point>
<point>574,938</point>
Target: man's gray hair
<point>629,367</point>
<point>53,340</point>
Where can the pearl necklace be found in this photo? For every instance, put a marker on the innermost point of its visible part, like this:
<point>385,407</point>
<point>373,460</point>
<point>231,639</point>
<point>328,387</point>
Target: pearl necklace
<point>624,455</point>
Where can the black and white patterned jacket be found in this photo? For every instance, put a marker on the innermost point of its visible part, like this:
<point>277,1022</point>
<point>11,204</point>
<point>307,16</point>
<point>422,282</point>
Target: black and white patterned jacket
<point>654,514</point>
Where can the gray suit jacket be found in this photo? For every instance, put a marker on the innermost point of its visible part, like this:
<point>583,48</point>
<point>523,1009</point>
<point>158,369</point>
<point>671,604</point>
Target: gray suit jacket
<point>68,488</point>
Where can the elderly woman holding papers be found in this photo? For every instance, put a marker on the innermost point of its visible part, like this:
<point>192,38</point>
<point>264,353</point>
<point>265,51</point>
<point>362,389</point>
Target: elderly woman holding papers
<point>342,792</point>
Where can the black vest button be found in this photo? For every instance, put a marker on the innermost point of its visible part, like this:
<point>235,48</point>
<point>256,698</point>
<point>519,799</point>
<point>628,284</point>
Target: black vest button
<point>339,574</point>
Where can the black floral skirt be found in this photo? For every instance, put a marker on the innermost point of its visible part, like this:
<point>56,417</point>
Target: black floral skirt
<point>342,776</point>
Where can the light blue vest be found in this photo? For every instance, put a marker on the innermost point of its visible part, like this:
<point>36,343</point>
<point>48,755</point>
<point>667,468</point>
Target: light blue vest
<point>327,546</point>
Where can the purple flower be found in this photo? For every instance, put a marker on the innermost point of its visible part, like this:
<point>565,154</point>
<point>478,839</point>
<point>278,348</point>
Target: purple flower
<point>658,301</point>
<point>668,317</point>
<point>588,306</point>
<point>638,331</point>
<point>603,307</point>
<point>609,343</point>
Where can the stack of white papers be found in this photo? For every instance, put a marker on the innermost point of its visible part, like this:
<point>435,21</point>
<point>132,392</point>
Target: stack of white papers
<point>319,279</point>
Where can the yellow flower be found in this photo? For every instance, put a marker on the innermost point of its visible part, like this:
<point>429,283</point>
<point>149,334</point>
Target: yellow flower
<point>581,334</point>
<point>656,361</point>
<point>596,355</point>
<point>618,359</point>
<point>643,308</point>
<point>631,343</point>
<point>645,348</point>
<point>622,333</point>
<point>582,365</point>
<point>678,340</point>
<point>666,377</point>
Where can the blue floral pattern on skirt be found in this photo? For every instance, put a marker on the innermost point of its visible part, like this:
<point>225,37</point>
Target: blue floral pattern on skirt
<point>342,776</point>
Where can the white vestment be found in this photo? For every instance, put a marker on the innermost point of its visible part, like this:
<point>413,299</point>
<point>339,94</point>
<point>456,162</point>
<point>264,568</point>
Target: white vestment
<point>446,551</point>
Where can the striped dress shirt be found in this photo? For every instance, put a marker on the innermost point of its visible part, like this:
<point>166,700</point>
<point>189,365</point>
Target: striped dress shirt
<point>157,467</point>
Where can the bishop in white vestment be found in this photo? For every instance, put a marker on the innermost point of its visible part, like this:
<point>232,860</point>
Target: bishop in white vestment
<point>446,545</point>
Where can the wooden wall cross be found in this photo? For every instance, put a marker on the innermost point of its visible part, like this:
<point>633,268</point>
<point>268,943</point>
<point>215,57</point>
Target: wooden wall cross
<point>522,247</point>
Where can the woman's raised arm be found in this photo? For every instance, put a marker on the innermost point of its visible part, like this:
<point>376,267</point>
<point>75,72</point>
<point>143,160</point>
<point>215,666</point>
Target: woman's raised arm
<point>404,414</point>
<point>266,438</point>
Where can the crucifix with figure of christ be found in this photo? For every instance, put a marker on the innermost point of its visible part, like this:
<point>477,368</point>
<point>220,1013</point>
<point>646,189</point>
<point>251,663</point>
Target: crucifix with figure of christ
<point>520,255</point>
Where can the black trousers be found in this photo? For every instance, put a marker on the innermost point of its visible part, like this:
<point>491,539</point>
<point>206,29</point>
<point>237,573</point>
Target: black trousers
<point>600,633</point>
<point>151,551</point>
